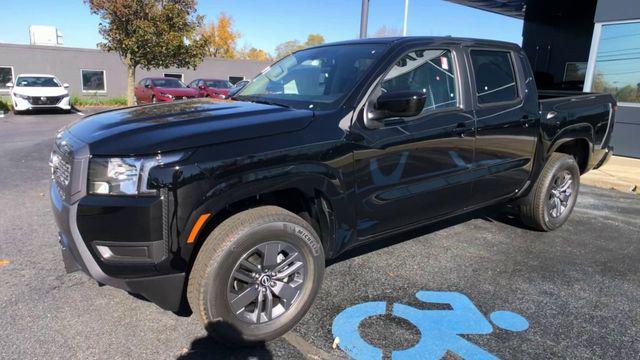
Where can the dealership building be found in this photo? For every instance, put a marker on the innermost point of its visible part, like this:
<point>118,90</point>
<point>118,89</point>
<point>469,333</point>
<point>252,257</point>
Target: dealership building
<point>92,72</point>
<point>589,45</point>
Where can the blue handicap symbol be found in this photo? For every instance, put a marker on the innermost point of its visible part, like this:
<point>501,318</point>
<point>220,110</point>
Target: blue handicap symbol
<point>440,330</point>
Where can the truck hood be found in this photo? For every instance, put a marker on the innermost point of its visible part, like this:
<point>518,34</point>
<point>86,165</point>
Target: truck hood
<point>180,125</point>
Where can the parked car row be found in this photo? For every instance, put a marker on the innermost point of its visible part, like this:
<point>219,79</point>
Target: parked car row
<point>164,89</point>
<point>38,91</point>
<point>44,91</point>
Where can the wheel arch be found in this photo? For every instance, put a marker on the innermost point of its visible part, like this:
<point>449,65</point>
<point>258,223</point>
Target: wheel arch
<point>314,198</point>
<point>579,148</point>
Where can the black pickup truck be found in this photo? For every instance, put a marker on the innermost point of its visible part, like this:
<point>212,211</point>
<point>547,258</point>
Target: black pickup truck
<point>231,209</point>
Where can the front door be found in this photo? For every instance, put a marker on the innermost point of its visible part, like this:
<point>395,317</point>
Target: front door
<point>414,169</point>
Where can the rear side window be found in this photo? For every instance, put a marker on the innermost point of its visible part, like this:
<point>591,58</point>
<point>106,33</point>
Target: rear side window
<point>495,78</point>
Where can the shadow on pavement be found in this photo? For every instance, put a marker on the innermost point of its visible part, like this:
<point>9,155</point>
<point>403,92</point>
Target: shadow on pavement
<point>208,347</point>
<point>506,214</point>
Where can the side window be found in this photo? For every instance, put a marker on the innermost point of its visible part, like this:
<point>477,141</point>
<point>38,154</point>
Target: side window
<point>495,77</point>
<point>429,71</point>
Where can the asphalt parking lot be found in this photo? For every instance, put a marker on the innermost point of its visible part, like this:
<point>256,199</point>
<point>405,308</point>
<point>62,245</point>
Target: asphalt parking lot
<point>578,288</point>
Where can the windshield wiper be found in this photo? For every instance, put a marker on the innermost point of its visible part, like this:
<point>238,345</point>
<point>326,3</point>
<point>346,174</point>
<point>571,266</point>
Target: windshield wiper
<point>262,101</point>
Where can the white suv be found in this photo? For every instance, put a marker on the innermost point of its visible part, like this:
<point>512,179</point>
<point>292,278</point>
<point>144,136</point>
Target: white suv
<point>38,91</point>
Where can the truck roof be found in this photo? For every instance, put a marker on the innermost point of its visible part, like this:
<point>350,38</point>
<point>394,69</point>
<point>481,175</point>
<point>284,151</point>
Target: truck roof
<point>426,39</point>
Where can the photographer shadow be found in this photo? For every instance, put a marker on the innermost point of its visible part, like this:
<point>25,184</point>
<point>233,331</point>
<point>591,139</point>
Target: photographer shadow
<point>208,347</point>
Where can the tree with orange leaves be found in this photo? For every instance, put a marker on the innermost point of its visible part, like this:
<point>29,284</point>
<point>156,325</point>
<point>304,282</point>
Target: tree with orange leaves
<point>221,37</point>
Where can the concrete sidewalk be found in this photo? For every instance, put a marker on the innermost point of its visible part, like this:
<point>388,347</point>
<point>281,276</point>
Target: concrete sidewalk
<point>620,173</point>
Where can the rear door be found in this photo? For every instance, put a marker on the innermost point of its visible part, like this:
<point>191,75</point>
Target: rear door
<point>414,169</point>
<point>506,118</point>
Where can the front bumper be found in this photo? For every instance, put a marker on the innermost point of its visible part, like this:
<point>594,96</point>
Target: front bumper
<point>20,104</point>
<point>163,290</point>
<point>134,264</point>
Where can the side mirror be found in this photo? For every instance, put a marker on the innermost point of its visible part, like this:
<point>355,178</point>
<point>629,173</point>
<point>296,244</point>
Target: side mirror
<point>201,87</point>
<point>65,85</point>
<point>148,86</point>
<point>398,104</point>
<point>9,85</point>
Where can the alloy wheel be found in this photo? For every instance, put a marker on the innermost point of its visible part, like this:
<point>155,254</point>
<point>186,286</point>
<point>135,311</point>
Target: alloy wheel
<point>560,194</point>
<point>266,282</point>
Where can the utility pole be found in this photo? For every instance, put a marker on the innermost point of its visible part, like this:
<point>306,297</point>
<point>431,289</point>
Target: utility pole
<point>406,16</point>
<point>364,18</point>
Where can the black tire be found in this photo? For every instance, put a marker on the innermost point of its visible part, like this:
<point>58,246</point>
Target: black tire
<point>212,281</point>
<point>539,209</point>
<point>16,112</point>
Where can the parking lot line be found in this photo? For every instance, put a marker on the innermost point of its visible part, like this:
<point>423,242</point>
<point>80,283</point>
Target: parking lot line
<point>305,347</point>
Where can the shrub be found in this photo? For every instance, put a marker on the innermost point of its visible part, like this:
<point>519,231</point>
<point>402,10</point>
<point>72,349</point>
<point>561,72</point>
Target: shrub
<point>5,104</point>
<point>87,101</point>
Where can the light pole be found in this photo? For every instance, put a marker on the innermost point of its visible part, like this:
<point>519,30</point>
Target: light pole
<point>406,16</point>
<point>364,17</point>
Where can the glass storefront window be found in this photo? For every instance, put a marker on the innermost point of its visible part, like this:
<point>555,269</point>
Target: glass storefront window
<point>6,76</point>
<point>617,68</point>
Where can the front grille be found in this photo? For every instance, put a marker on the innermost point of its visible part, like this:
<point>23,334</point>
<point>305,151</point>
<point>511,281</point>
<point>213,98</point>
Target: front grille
<point>62,173</point>
<point>61,165</point>
<point>45,100</point>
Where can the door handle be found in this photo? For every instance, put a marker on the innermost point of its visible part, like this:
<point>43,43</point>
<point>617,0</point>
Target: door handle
<point>526,120</point>
<point>460,129</point>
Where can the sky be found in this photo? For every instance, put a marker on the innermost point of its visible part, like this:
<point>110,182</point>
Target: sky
<point>265,24</point>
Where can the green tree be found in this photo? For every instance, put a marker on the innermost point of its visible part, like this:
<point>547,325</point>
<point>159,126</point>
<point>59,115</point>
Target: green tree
<point>150,34</point>
<point>287,48</point>
<point>291,46</point>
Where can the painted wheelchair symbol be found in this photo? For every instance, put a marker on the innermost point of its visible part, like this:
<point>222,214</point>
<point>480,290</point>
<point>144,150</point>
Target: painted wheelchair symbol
<point>440,329</point>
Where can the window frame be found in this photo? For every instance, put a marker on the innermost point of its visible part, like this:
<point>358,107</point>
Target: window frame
<point>171,73</point>
<point>104,78</point>
<point>13,78</point>
<point>517,72</point>
<point>593,54</point>
<point>399,121</point>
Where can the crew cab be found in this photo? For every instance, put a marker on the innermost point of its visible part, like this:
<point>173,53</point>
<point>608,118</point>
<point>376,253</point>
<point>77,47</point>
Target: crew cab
<point>233,208</point>
<point>162,89</point>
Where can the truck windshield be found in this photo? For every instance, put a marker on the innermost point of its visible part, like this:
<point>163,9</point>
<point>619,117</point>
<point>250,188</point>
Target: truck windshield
<point>317,78</point>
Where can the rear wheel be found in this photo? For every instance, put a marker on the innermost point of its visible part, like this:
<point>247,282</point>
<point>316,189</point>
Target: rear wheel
<point>256,275</point>
<point>553,196</point>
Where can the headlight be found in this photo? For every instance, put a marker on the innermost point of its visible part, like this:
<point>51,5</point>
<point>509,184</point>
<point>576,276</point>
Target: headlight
<point>125,176</point>
<point>169,96</point>
<point>21,96</point>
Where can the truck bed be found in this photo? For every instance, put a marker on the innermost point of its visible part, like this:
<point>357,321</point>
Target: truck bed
<point>580,108</point>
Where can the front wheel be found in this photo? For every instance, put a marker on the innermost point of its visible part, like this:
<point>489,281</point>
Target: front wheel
<point>256,275</point>
<point>553,196</point>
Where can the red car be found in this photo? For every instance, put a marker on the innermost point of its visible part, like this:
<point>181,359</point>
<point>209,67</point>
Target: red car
<point>163,89</point>
<point>214,88</point>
